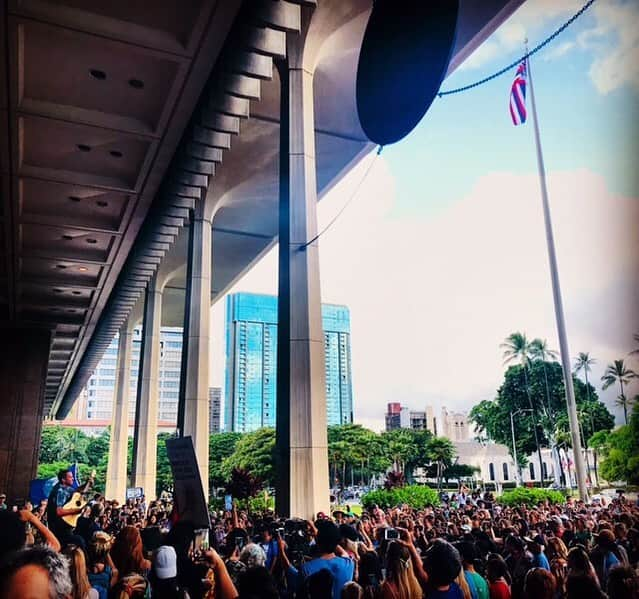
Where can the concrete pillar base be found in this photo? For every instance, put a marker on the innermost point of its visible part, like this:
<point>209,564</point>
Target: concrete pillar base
<point>116,481</point>
<point>196,397</point>
<point>146,416</point>
<point>24,354</point>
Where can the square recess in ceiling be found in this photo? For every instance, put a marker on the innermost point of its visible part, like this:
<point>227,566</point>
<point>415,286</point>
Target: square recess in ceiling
<point>80,154</point>
<point>173,25</point>
<point>66,242</point>
<point>69,74</point>
<point>73,205</point>
<point>60,272</point>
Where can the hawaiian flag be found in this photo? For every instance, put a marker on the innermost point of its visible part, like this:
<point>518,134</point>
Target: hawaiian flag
<point>518,96</point>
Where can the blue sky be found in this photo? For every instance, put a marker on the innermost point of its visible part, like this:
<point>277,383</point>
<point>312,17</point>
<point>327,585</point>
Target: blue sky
<point>472,131</point>
<point>442,254</point>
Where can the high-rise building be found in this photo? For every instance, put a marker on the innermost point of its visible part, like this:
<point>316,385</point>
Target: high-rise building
<point>251,362</point>
<point>98,402</point>
<point>393,416</point>
<point>215,409</point>
<point>453,425</point>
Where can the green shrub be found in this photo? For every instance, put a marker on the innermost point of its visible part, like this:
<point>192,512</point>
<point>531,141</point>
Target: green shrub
<point>416,496</point>
<point>531,496</point>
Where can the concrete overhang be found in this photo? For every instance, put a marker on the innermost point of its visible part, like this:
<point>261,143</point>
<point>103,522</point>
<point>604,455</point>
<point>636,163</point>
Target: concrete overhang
<point>229,148</point>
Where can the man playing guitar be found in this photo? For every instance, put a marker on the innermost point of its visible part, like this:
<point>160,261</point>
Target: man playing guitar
<point>60,495</point>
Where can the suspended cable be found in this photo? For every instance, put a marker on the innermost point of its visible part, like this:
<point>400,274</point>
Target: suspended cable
<point>513,64</point>
<point>350,199</point>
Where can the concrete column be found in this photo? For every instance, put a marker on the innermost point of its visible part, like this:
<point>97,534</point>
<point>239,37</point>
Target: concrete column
<point>24,354</point>
<point>196,395</point>
<point>302,488</point>
<point>146,413</point>
<point>116,481</point>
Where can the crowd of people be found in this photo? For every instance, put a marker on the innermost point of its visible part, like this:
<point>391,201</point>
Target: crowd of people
<point>468,547</point>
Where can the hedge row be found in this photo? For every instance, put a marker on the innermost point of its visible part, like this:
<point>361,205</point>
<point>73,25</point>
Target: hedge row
<point>530,496</point>
<point>415,496</point>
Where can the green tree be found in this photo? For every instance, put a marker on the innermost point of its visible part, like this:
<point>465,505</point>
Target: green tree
<point>51,469</point>
<point>254,453</point>
<point>355,446</point>
<point>492,417</point>
<point>617,372</point>
<point>97,451</point>
<point>621,451</point>
<point>398,447</point>
<point>62,443</point>
<point>540,351</point>
<point>221,446</point>
<point>517,348</point>
<point>441,452</point>
<point>459,471</point>
<point>338,457</point>
<point>583,362</point>
<point>164,475</point>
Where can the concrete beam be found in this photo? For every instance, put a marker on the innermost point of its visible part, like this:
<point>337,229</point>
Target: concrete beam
<point>242,86</point>
<point>278,15</point>
<point>253,65</point>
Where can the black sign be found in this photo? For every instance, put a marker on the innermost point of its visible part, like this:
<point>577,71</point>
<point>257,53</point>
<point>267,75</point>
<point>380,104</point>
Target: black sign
<point>188,494</point>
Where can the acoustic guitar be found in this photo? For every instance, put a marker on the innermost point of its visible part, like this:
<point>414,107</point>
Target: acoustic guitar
<point>77,502</point>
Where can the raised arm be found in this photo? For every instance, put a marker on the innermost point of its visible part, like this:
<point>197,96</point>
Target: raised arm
<point>418,567</point>
<point>224,587</point>
<point>47,535</point>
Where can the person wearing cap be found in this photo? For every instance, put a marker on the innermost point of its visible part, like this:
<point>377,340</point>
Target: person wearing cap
<point>536,547</point>
<point>163,575</point>
<point>3,501</point>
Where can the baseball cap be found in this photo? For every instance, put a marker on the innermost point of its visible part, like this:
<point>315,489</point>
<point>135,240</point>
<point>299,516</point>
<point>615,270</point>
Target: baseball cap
<point>165,562</point>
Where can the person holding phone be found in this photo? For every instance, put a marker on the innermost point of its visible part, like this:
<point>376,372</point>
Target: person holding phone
<point>330,557</point>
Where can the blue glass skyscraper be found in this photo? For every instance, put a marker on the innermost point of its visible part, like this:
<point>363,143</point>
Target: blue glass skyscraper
<point>251,362</point>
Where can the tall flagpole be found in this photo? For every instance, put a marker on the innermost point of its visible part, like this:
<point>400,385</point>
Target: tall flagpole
<point>559,308</point>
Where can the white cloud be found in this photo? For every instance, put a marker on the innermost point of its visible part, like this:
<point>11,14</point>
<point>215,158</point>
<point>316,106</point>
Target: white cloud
<point>484,54</point>
<point>617,65</point>
<point>432,298</point>
<point>558,50</point>
<point>613,40</point>
<point>531,19</point>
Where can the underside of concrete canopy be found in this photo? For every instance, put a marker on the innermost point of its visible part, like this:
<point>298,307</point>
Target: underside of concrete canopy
<point>119,117</point>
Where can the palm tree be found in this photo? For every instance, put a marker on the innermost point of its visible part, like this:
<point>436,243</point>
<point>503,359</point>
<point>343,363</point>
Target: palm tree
<point>539,351</point>
<point>635,352</point>
<point>517,348</point>
<point>618,373</point>
<point>441,451</point>
<point>584,362</point>
<point>624,402</point>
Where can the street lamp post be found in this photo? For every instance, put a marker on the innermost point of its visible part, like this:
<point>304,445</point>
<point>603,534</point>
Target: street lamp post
<point>512,430</point>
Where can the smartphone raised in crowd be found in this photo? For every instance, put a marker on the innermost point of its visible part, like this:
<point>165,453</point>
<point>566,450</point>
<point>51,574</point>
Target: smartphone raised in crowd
<point>390,534</point>
<point>200,541</point>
